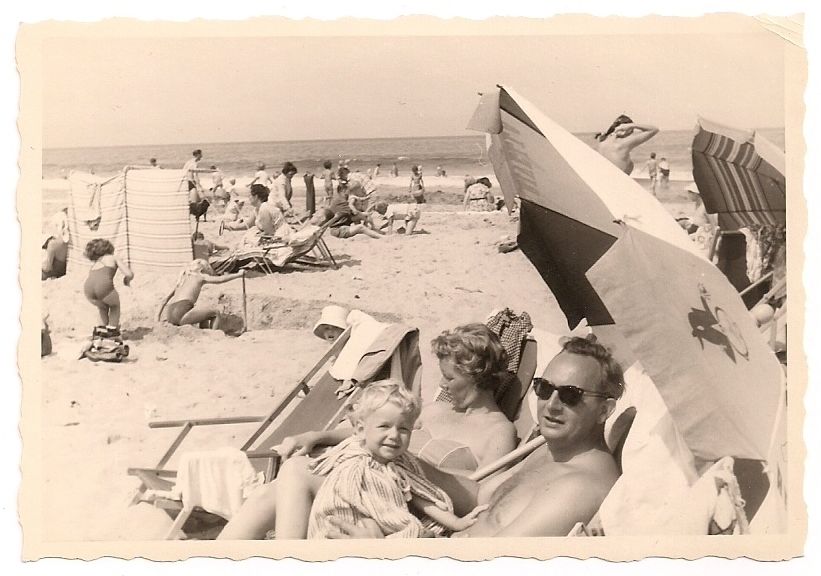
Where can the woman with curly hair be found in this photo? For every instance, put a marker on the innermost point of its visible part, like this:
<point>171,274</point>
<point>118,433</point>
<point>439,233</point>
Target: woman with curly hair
<point>99,286</point>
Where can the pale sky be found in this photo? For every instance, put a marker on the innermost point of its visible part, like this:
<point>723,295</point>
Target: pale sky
<point>118,91</point>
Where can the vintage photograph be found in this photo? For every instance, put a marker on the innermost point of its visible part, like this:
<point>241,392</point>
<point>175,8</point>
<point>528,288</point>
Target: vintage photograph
<point>414,284</point>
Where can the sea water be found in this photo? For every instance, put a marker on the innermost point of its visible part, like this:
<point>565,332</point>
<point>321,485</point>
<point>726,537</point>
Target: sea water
<point>458,155</point>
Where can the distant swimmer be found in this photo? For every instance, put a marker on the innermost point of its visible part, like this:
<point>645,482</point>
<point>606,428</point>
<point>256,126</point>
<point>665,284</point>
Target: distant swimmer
<point>621,137</point>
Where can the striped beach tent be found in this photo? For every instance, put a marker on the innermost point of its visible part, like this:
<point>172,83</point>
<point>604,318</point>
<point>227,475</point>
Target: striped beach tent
<point>143,213</point>
<point>740,175</point>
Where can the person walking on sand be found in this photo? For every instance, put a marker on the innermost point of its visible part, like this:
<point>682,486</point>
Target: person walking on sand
<point>618,141</point>
<point>99,286</point>
<point>652,167</point>
<point>261,177</point>
<point>183,297</point>
<point>197,202</point>
<point>394,171</point>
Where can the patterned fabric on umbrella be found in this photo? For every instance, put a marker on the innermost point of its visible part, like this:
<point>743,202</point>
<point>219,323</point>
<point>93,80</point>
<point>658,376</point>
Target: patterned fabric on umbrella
<point>740,176</point>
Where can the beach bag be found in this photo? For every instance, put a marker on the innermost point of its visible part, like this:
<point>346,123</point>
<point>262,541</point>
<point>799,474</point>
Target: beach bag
<point>106,346</point>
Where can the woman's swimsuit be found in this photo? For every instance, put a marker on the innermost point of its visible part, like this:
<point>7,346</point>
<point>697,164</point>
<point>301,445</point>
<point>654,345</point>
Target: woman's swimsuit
<point>178,309</point>
<point>442,452</point>
<point>100,283</point>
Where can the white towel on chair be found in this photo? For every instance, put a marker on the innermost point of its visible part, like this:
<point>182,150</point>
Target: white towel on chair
<point>365,330</point>
<point>216,480</point>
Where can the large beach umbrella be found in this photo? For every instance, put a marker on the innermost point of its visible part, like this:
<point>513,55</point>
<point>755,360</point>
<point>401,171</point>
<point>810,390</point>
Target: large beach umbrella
<point>571,199</point>
<point>695,338</point>
<point>611,253</point>
<point>740,176</point>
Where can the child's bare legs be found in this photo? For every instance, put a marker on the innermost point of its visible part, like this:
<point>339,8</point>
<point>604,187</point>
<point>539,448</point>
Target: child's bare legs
<point>296,488</point>
<point>362,229</point>
<point>204,317</point>
<point>108,308</point>
<point>255,517</point>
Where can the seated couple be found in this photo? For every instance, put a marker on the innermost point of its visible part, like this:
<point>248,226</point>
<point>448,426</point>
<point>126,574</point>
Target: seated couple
<point>556,486</point>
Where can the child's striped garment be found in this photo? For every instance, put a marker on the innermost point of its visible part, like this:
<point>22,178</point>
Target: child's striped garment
<point>359,487</point>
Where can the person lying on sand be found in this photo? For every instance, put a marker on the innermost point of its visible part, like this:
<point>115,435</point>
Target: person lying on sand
<point>559,484</point>
<point>618,141</point>
<point>376,457</point>
<point>184,295</point>
<point>464,434</point>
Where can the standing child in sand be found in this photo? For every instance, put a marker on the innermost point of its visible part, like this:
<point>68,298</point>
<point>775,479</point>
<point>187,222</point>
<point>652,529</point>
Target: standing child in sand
<point>99,286</point>
<point>376,458</point>
<point>329,177</point>
<point>185,293</point>
<point>417,185</point>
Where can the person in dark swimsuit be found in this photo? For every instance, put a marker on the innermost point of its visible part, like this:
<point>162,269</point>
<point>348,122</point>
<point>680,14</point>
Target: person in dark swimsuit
<point>183,297</point>
<point>99,286</point>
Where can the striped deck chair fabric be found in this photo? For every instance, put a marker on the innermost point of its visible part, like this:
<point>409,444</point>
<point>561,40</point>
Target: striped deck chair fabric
<point>740,176</point>
<point>143,213</point>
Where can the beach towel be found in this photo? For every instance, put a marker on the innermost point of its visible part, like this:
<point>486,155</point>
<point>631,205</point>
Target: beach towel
<point>218,481</point>
<point>658,468</point>
<point>511,328</point>
<point>364,330</point>
<point>359,487</point>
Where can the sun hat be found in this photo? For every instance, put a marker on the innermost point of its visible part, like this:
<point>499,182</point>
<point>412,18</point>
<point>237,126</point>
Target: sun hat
<point>331,316</point>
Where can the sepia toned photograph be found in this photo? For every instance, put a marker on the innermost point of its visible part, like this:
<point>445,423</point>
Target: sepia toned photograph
<point>433,287</point>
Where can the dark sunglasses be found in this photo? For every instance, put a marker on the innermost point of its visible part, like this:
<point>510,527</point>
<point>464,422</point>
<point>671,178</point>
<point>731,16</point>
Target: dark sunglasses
<point>568,395</point>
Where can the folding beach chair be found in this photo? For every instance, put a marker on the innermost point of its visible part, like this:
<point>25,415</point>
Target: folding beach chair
<point>394,354</point>
<point>273,255</point>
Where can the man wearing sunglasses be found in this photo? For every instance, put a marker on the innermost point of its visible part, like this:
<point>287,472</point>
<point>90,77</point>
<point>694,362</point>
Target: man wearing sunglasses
<point>564,481</point>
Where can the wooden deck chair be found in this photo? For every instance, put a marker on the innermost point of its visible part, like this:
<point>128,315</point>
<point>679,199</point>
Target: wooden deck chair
<point>272,256</point>
<point>319,408</point>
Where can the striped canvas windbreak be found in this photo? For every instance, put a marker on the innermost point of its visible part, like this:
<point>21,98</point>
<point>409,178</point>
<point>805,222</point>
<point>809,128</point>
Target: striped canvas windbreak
<point>143,213</point>
<point>735,182</point>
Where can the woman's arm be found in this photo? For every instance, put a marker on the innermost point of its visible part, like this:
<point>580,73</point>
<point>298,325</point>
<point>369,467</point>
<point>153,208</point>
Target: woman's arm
<point>641,133</point>
<point>303,443</point>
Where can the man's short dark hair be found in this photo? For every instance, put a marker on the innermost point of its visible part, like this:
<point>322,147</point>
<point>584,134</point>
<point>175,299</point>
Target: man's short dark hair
<point>612,374</point>
<point>260,191</point>
<point>289,167</point>
<point>197,152</point>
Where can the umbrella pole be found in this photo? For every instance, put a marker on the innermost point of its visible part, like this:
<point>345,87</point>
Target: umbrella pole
<point>244,307</point>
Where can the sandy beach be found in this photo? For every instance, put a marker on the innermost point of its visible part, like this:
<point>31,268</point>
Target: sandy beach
<point>95,416</point>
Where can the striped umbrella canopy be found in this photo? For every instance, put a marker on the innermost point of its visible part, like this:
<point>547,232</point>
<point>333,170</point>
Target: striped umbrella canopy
<point>572,200</point>
<point>740,176</point>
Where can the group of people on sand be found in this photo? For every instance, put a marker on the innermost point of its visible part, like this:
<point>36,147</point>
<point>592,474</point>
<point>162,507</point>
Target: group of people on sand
<point>406,491</point>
